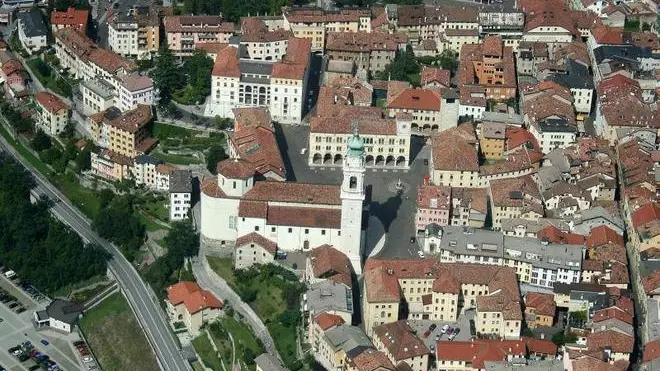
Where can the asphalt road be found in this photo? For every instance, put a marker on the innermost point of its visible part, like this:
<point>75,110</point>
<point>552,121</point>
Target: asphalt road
<point>149,313</point>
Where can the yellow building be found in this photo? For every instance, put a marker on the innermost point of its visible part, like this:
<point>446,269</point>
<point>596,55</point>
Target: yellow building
<point>539,309</point>
<point>437,291</point>
<point>497,315</point>
<point>401,345</point>
<point>126,134</point>
<point>314,24</point>
<point>492,139</point>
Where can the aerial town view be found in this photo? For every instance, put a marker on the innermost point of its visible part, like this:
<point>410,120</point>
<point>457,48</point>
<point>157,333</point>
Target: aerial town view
<point>338,185</point>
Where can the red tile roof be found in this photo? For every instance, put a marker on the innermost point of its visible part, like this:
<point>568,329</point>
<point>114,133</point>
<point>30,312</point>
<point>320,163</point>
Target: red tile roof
<point>259,240</point>
<point>210,188</point>
<point>371,360</point>
<point>479,351</point>
<point>256,144</point>
<point>304,193</point>
<point>71,17</point>
<point>618,342</point>
<point>605,35</point>
<point>651,282</point>
<point>253,209</point>
<point>211,48</point>
<point>133,120</point>
<point>651,350</point>
<point>197,23</point>
<point>430,75</point>
<point>516,137</point>
<point>646,214</point>
<point>295,62</point>
<point>400,340</point>
<point>327,321</point>
<point>613,312</point>
<point>330,263</point>
<point>540,347</point>
<point>555,235</point>
<point>455,149</point>
<point>362,41</point>
<point>192,296</point>
<point>304,217</point>
<point>344,125</point>
<point>415,99</point>
<point>602,235</point>
<point>50,102</point>
<point>543,304</point>
<point>504,192</point>
<point>622,103</point>
<point>427,193</point>
<point>226,63</point>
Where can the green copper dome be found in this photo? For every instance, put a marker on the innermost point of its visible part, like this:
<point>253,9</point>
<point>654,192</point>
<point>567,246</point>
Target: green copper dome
<point>355,145</point>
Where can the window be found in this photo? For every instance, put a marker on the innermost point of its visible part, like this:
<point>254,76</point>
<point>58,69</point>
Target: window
<point>352,184</point>
<point>290,230</point>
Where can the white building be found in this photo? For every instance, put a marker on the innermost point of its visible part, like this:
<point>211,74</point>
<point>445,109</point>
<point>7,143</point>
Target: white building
<point>296,216</point>
<point>279,85</point>
<point>98,96</point>
<point>135,33</point>
<point>180,194</point>
<point>133,90</point>
<point>32,31</point>
<point>60,314</point>
<point>553,133</point>
<point>53,113</point>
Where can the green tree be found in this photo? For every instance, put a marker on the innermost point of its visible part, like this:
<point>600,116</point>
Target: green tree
<point>165,75</point>
<point>119,223</point>
<point>84,159</point>
<point>41,141</point>
<point>197,69</point>
<point>215,155</point>
<point>448,61</point>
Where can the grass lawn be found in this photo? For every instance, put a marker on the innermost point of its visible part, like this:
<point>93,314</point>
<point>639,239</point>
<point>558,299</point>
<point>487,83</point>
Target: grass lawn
<point>116,338</point>
<point>246,345</point>
<point>176,159</point>
<point>285,343</point>
<point>149,222</point>
<point>65,291</point>
<point>164,131</point>
<point>83,198</point>
<point>38,67</point>
<point>270,303</point>
<point>206,353</point>
<point>84,295</point>
<point>223,267</point>
<point>242,334</point>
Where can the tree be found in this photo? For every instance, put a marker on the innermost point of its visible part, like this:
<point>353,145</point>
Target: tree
<point>402,68</point>
<point>448,61</point>
<point>41,141</point>
<point>646,27</point>
<point>215,155</point>
<point>197,69</point>
<point>83,159</point>
<point>119,223</point>
<point>290,318</point>
<point>166,75</point>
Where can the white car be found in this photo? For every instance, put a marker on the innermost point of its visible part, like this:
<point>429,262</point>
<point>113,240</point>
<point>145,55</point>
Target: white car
<point>303,151</point>
<point>87,359</point>
<point>421,254</point>
<point>444,329</point>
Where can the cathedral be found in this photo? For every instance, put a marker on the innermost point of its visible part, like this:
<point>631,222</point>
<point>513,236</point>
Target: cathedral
<point>295,216</point>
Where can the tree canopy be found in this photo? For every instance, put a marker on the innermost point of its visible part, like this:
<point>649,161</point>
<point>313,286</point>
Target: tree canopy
<point>166,75</point>
<point>404,67</point>
<point>40,248</point>
<point>215,155</point>
<point>118,223</point>
<point>233,10</point>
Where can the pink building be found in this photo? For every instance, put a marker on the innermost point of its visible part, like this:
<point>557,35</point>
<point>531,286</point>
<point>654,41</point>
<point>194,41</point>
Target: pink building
<point>184,32</point>
<point>433,205</point>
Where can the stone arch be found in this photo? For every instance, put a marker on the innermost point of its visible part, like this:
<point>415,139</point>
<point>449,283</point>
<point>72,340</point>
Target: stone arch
<point>369,160</point>
<point>317,158</point>
<point>380,160</point>
<point>401,161</point>
<point>327,159</point>
<point>434,127</point>
<point>338,159</point>
<point>389,161</point>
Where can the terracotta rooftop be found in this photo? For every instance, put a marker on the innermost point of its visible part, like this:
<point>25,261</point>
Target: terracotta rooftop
<point>133,120</point>
<point>210,48</point>
<point>371,360</point>
<point>651,350</point>
<point>255,142</point>
<point>432,75</point>
<point>602,235</point>
<point>199,23</point>
<point>434,197</point>
<point>539,346</point>
<point>474,198</point>
<point>543,304</point>
<point>87,51</point>
<point>209,186</point>
<point>287,192</point>
<point>327,321</point>
<point>555,235</point>
<point>295,62</point>
<point>415,99</point>
<point>472,55</point>
<point>344,125</point>
<point>605,35</point>
<point>621,103</point>
<point>257,239</point>
<point>514,192</point>
<point>192,296</point>
<point>651,283</point>
<point>400,340</point>
<point>479,351</point>
<point>310,217</point>
<point>548,99</point>
<point>613,312</point>
<point>50,102</point>
<point>303,15</point>
<point>420,15</point>
<point>363,41</point>
<point>455,149</point>
<point>137,82</point>
<point>517,137</point>
<point>330,263</point>
<point>71,17</point>
<point>618,342</point>
<point>253,209</point>
<point>226,63</point>
<point>500,303</point>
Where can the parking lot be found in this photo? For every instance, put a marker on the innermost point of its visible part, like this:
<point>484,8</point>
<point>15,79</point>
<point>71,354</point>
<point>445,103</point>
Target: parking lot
<point>463,326</point>
<point>17,327</point>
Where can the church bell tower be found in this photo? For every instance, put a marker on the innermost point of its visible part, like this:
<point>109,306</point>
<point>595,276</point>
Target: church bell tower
<point>352,198</point>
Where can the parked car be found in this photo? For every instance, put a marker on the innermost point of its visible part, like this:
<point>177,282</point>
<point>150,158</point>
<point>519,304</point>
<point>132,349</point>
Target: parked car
<point>87,359</point>
<point>427,333</point>
<point>453,334</point>
<point>421,254</point>
<point>450,331</point>
<point>432,327</point>
<point>13,305</point>
<point>20,310</point>
<point>44,342</point>
<point>23,357</point>
<point>444,329</point>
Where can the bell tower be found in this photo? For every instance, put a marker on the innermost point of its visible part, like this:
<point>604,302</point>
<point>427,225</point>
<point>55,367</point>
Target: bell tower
<point>352,198</point>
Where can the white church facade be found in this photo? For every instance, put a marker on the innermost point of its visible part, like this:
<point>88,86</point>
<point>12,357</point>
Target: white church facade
<point>295,216</point>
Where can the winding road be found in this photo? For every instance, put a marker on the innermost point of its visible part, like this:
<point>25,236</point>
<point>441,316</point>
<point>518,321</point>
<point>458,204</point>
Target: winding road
<point>140,297</point>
